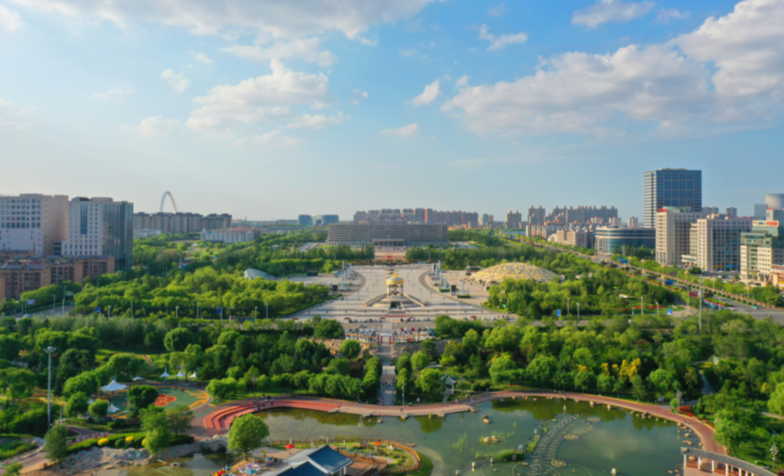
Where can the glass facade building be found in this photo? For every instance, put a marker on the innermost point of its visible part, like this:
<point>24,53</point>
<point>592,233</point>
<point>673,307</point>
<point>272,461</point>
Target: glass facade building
<point>613,240</point>
<point>671,188</point>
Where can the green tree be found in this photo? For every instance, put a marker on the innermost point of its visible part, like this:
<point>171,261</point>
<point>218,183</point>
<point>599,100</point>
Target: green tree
<point>14,469</point>
<point>606,383</point>
<point>429,382</point>
<point>350,349</point>
<point>661,380</point>
<point>17,383</point>
<point>341,366</point>
<point>329,329</point>
<point>9,347</point>
<point>56,443</point>
<point>99,409</point>
<point>542,370</point>
<point>420,360</point>
<point>177,340</point>
<point>141,397</point>
<point>156,427</point>
<point>247,433</point>
<point>180,419</point>
<point>86,383</point>
<point>776,401</point>
<point>429,348</point>
<point>638,388</point>
<point>500,369</point>
<point>77,405</point>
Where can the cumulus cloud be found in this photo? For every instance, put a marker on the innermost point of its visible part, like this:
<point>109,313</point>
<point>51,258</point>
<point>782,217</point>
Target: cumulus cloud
<point>429,95</point>
<point>409,52</point>
<point>359,96</point>
<point>10,21</point>
<point>405,131</point>
<point>268,98</point>
<point>177,81</point>
<point>155,126</point>
<point>305,49</point>
<point>277,138</point>
<point>729,73</point>
<point>269,19</point>
<point>497,11</point>
<point>319,121</point>
<point>113,93</point>
<point>498,42</point>
<point>203,58</point>
<point>461,82</point>
<point>610,11</point>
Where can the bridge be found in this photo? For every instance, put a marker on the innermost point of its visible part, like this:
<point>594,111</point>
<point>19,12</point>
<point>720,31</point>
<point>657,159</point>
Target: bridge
<point>548,445</point>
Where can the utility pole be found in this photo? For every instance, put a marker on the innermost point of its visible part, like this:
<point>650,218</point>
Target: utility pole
<point>50,350</point>
<point>641,309</point>
<point>177,312</point>
<point>197,309</point>
<point>701,297</point>
<point>774,450</point>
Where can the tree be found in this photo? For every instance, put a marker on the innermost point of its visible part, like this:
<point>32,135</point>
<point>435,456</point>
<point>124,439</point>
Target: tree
<point>776,401</point>
<point>606,383</point>
<point>329,329</point>
<point>542,370</point>
<point>500,369</point>
<point>156,426</point>
<point>420,360</point>
<point>350,349</point>
<point>86,382</point>
<point>125,366</point>
<point>180,419</point>
<point>661,380</point>
<point>56,443</point>
<point>583,381</point>
<point>77,405</point>
<point>177,340</point>
<point>247,433</point>
<point>99,408</point>
<point>9,347</point>
<point>14,469</point>
<point>429,348</point>
<point>141,397</point>
<point>341,366</point>
<point>17,383</point>
<point>638,388</point>
<point>429,382</point>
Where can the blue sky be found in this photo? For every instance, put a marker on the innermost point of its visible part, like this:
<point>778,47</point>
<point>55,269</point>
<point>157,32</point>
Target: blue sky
<point>269,109</point>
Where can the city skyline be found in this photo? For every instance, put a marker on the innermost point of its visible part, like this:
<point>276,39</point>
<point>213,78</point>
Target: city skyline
<point>445,105</point>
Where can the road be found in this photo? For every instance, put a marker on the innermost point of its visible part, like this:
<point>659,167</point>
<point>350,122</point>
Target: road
<point>47,312</point>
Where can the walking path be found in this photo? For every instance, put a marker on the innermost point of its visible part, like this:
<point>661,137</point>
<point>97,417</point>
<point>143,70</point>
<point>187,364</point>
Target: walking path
<point>220,419</point>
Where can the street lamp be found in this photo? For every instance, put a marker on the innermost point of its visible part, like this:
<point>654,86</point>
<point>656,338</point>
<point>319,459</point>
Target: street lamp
<point>110,311</point>
<point>578,311</point>
<point>255,311</point>
<point>266,307</point>
<point>568,300</point>
<point>773,452</point>
<point>177,311</point>
<point>658,311</point>
<point>131,308</point>
<point>50,350</point>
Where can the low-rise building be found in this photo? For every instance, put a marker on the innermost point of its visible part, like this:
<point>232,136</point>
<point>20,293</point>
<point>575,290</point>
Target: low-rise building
<point>611,240</point>
<point>673,227</point>
<point>232,235</point>
<point>387,234</point>
<point>20,273</point>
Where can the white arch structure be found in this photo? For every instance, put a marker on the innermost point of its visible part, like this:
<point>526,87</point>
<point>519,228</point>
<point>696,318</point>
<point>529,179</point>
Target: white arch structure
<point>171,197</point>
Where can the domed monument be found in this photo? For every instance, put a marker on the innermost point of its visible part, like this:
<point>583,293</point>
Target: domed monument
<point>395,297</point>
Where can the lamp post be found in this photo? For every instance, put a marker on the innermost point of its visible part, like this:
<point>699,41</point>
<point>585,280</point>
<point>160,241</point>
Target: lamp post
<point>568,300</point>
<point>266,307</point>
<point>678,396</point>
<point>658,311</point>
<point>131,308</point>
<point>50,350</point>
<point>578,311</point>
<point>110,311</point>
<point>255,311</point>
<point>774,450</point>
<point>177,311</point>
<point>701,297</point>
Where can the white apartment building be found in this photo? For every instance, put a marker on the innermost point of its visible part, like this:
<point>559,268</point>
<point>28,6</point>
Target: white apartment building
<point>715,242</point>
<point>34,222</point>
<point>100,227</point>
<point>227,236</point>
<point>673,227</point>
<point>633,222</point>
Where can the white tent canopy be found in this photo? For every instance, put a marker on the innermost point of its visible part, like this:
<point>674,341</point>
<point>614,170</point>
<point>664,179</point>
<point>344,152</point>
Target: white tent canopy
<point>114,387</point>
<point>180,374</point>
<point>193,375</point>
<point>113,409</point>
<point>165,373</point>
<point>137,378</point>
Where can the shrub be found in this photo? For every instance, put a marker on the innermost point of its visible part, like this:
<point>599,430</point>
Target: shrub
<point>103,442</point>
<point>129,440</point>
<point>110,440</point>
<point>119,443</point>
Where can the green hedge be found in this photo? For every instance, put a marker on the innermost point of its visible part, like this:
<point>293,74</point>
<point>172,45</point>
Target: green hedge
<point>14,448</point>
<point>137,442</point>
<point>425,466</point>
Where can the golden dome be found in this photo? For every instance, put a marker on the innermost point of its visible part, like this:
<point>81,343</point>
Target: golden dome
<point>395,280</point>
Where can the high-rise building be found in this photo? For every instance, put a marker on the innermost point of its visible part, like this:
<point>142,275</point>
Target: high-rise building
<point>731,212</point>
<point>318,220</point>
<point>513,219</point>
<point>633,222</point>
<point>715,242</point>
<point>306,220</point>
<point>759,211</point>
<point>673,228</point>
<point>536,216</point>
<point>387,234</point>
<point>360,217</point>
<point>100,227</point>
<point>180,222</point>
<point>582,215</point>
<point>33,222</point>
<point>775,201</point>
<point>671,188</point>
<point>484,220</point>
<point>762,249</point>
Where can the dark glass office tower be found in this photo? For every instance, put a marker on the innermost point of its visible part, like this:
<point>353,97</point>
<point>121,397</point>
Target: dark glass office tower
<point>671,188</point>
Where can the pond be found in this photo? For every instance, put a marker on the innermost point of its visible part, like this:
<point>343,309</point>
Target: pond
<point>591,441</point>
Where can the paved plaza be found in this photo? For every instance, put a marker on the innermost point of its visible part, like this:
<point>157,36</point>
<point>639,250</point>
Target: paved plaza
<point>370,282</point>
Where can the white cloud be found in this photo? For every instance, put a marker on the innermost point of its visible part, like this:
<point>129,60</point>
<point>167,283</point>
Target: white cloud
<point>429,95</point>
<point>177,81</point>
<point>497,11</point>
<point>13,117</point>
<point>305,49</point>
<point>113,93</point>
<point>579,92</point>
<point>498,42</point>
<point>276,138</point>
<point>726,75</point>
<point>203,58</point>
<point>461,82</point>
<point>269,19</point>
<point>409,52</point>
<point>10,21</point>
<point>155,126</point>
<point>610,11</point>
<point>268,98</point>
<point>747,48</point>
<point>359,96</point>
<point>664,15</point>
<point>405,131</point>
<point>319,121</point>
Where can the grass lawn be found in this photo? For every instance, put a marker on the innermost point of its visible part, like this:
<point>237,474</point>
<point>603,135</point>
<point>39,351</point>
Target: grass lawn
<point>103,355</point>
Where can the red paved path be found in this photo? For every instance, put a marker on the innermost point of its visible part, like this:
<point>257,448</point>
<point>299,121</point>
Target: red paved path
<point>219,420</point>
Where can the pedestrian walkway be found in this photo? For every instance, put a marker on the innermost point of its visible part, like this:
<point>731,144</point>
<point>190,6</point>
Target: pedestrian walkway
<point>387,392</point>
